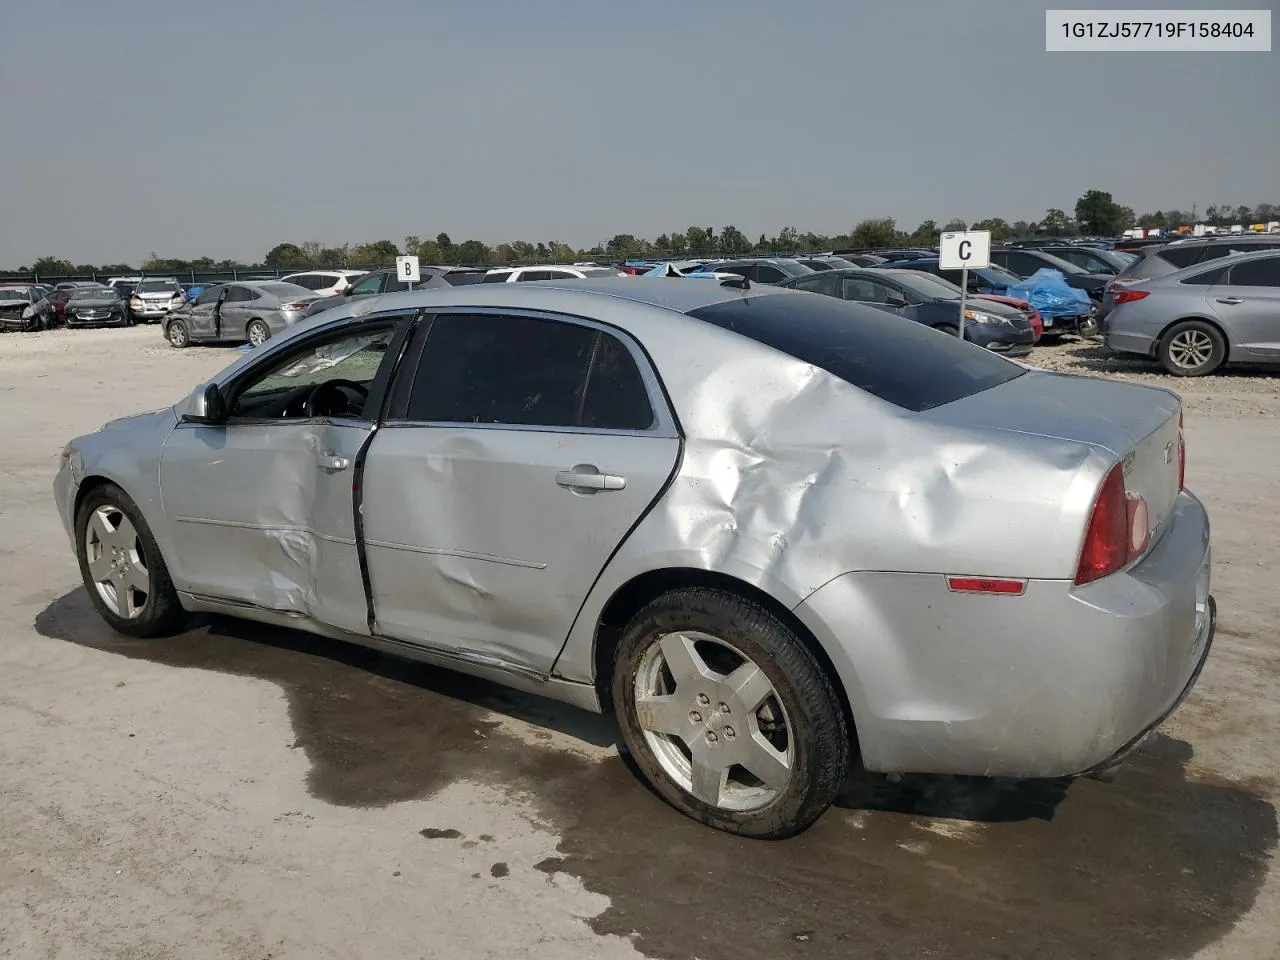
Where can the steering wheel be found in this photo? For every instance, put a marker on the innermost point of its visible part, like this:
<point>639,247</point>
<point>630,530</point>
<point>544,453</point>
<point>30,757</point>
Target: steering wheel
<point>319,390</point>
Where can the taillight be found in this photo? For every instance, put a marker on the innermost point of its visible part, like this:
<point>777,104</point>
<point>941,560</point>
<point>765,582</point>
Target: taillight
<point>1128,296</point>
<point>1118,530</point>
<point>1182,454</point>
<point>300,305</point>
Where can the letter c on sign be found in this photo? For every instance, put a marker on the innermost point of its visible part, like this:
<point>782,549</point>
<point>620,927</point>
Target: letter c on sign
<point>966,248</point>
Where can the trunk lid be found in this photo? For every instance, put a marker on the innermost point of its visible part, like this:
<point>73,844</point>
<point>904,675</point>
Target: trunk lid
<point>1138,424</point>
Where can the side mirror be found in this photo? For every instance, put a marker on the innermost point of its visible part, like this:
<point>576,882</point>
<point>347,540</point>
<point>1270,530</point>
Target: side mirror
<point>206,405</point>
<point>346,291</point>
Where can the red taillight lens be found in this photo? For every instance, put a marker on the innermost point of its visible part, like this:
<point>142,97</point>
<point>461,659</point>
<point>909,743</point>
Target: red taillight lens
<point>1106,540</point>
<point>1182,455</point>
<point>300,305</point>
<point>1128,296</point>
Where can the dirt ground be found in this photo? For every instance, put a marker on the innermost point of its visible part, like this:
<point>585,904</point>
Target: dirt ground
<point>239,792</point>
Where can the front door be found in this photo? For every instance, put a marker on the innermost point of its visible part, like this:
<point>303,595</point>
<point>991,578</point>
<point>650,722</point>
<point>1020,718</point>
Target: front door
<point>496,494</point>
<point>262,507</point>
<point>199,316</point>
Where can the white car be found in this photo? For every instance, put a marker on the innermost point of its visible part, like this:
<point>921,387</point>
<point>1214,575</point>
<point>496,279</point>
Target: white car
<point>551,272</point>
<point>326,283</point>
<point>154,297</point>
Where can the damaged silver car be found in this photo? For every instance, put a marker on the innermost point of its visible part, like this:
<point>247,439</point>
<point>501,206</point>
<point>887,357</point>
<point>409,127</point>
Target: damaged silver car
<point>779,534</point>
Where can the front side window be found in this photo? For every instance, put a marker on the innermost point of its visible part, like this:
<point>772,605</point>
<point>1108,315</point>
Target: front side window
<point>371,284</point>
<point>211,295</point>
<point>525,371</point>
<point>328,379</point>
<point>769,274</point>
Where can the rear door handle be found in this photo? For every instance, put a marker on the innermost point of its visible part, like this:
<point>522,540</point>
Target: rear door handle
<point>329,461</point>
<point>585,478</point>
<point>1232,300</point>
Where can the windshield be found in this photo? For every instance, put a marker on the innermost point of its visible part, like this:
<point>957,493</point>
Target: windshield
<point>926,285</point>
<point>93,293</point>
<point>158,286</point>
<point>14,294</point>
<point>995,276</point>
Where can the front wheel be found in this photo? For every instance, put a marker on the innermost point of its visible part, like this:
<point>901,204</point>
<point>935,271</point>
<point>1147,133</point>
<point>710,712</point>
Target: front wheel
<point>177,333</point>
<point>1192,348</point>
<point>258,332</point>
<point>120,563</point>
<point>728,715</point>
<point>949,329</point>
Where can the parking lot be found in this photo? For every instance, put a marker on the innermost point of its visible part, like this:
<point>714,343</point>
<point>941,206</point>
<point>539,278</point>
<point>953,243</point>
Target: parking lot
<point>241,791</point>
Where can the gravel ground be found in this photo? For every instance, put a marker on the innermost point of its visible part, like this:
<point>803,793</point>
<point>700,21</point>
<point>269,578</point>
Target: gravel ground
<point>244,793</point>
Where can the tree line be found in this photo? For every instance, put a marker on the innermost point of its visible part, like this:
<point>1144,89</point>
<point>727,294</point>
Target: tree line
<point>1096,213</point>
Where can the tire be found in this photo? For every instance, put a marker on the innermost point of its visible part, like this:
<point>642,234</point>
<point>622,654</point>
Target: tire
<point>730,633</point>
<point>257,332</point>
<point>949,329</point>
<point>177,334</point>
<point>137,597</point>
<point>1192,348</point>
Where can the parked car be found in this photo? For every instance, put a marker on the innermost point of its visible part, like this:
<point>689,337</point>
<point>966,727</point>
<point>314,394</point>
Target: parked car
<point>1024,263</point>
<point>997,281</point>
<point>56,302</point>
<point>760,525</point>
<point>1092,260</point>
<point>96,307</point>
<point>761,269</point>
<point>324,283</point>
<point>382,281</point>
<point>153,298</point>
<point>550,272</point>
<point>20,307</point>
<point>251,310</point>
<point>1024,307</point>
<point>1196,319</point>
<point>919,297</point>
<point>1158,260</point>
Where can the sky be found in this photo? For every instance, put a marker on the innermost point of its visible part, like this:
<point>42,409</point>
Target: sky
<point>220,129</point>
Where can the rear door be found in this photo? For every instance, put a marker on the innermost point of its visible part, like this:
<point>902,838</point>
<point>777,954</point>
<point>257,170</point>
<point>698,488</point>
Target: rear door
<point>1249,305</point>
<point>235,311</point>
<point>521,453</point>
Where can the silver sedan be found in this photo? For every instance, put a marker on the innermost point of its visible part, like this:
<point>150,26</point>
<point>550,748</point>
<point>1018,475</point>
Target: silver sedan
<point>252,310</point>
<point>777,533</point>
<point>1196,319</point>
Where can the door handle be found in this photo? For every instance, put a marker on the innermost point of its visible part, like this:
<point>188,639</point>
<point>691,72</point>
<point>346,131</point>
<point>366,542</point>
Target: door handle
<point>1232,300</point>
<point>329,461</point>
<point>585,478</point>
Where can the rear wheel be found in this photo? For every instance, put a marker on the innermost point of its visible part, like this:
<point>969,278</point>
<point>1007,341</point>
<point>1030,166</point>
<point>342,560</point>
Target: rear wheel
<point>728,715</point>
<point>177,333</point>
<point>124,574</point>
<point>258,332</point>
<point>1192,348</point>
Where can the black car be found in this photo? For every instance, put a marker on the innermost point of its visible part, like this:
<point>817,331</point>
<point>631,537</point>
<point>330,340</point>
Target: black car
<point>387,281</point>
<point>1091,259</point>
<point>920,297</point>
<point>773,270</point>
<point>1025,262</point>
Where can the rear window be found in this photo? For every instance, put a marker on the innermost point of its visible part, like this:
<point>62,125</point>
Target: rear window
<point>460,278</point>
<point>1181,256</point>
<point>900,361</point>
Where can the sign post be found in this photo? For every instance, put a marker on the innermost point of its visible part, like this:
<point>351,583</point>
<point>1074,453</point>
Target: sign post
<point>407,270</point>
<point>962,250</point>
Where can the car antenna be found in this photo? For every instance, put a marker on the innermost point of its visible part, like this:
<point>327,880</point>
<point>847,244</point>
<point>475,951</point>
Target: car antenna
<point>742,283</point>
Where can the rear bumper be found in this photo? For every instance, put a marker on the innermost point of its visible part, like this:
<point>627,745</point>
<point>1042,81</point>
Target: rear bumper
<point>1059,681</point>
<point>1128,342</point>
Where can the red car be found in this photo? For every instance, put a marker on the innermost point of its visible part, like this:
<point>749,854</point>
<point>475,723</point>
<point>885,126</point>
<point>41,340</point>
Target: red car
<point>1033,315</point>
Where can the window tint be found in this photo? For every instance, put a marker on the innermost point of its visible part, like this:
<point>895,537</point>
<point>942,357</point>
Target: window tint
<point>561,275</point>
<point>1207,277</point>
<point>1023,264</point>
<point>824,283</point>
<point>239,295</point>
<point>529,275</point>
<point>865,291</point>
<point>500,277</point>
<point>1257,273</point>
<point>766,273</point>
<point>906,364</point>
<point>616,397</point>
<point>210,294</point>
<point>371,284</point>
<point>496,369</point>
<point>1182,255</point>
<point>461,278</point>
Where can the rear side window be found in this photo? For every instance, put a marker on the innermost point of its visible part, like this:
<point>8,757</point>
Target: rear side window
<point>899,361</point>
<point>526,371</point>
<point>1256,273</point>
<point>769,274</point>
<point>1182,256</point>
<point>461,278</point>
<point>1206,278</point>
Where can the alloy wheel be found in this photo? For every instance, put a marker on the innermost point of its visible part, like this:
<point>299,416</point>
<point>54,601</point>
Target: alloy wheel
<point>1190,349</point>
<point>116,562</point>
<point>714,721</point>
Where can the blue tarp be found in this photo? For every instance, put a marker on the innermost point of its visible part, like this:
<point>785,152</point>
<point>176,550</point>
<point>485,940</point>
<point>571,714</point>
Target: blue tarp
<point>1048,291</point>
